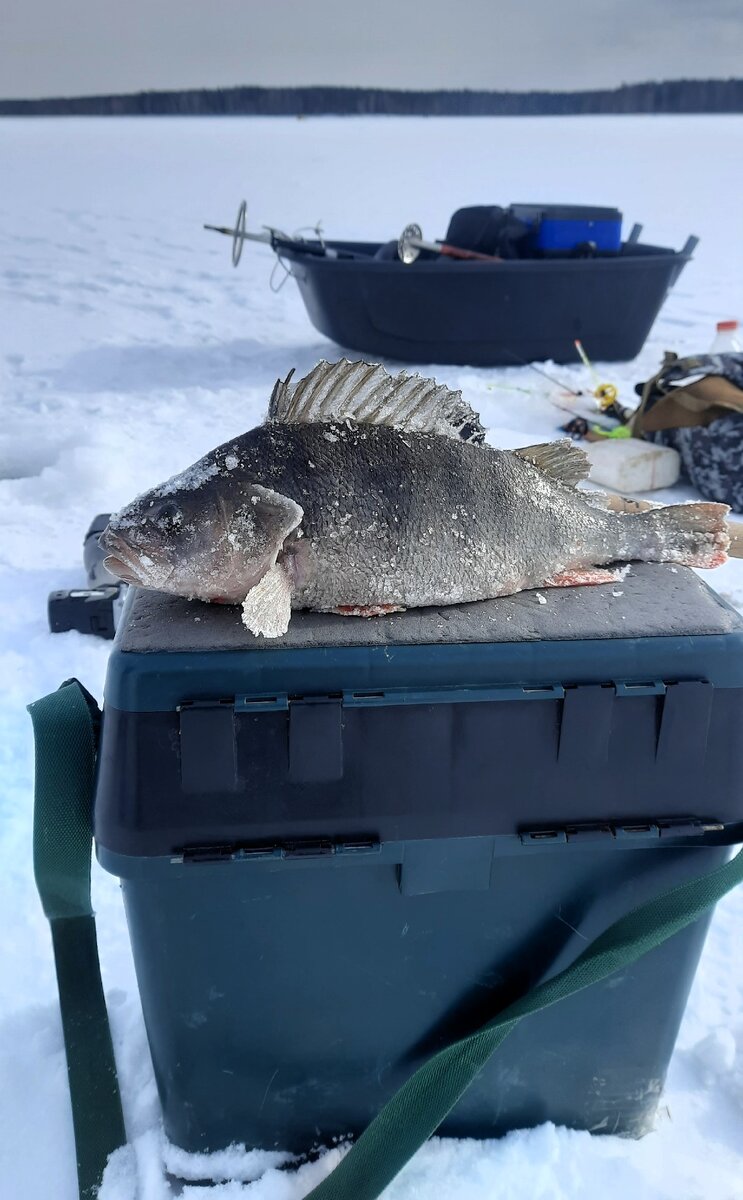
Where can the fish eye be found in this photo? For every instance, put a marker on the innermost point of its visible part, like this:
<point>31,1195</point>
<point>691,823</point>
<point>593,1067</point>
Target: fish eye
<point>168,517</point>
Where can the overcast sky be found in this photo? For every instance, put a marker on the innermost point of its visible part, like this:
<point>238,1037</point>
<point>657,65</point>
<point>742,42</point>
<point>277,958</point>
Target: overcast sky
<point>78,47</point>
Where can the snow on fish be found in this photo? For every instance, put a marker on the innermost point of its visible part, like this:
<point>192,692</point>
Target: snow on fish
<point>365,493</point>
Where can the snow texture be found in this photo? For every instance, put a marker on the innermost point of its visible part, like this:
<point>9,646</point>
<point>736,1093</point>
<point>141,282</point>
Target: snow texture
<point>128,348</point>
<point>189,480</point>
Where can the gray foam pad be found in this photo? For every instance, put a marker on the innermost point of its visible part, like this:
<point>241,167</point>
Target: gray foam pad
<point>655,600</point>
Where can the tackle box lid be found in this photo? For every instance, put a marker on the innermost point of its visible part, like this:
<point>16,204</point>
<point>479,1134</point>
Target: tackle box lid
<point>660,620</point>
<point>565,212</point>
<point>540,718</point>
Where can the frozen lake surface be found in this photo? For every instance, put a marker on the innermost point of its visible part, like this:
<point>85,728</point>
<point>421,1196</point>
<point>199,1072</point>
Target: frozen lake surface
<point>128,348</point>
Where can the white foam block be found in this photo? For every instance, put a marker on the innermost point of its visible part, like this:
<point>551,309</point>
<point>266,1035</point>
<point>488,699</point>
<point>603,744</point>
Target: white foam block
<point>629,465</point>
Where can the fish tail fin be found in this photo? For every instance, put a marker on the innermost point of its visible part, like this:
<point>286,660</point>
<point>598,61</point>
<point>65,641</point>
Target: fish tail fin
<point>694,535</point>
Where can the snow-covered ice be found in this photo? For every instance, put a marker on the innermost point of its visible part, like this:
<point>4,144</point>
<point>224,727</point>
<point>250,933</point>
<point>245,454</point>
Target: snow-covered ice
<point>128,348</point>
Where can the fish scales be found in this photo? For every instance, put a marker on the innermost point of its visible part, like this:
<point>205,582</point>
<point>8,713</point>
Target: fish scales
<point>371,497</point>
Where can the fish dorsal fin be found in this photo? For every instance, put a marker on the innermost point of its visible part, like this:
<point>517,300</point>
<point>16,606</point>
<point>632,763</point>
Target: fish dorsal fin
<point>561,460</point>
<point>367,393</point>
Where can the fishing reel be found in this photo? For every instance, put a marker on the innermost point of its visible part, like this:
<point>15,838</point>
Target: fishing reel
<point>94,609</point>
<point>606,395</point>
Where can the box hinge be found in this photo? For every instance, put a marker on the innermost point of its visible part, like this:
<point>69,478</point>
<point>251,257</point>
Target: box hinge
<point>309,848</point>
<point>296,848</point>
<point>204,854</point>
<point>610,832</point>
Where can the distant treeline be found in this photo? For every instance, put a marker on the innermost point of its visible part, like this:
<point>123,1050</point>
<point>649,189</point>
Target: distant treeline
<point>672,96</point>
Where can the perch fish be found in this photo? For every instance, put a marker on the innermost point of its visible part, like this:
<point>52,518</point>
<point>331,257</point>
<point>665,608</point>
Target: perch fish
<point>366,493</point>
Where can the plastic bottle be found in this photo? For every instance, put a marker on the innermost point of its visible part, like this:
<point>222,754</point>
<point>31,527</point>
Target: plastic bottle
<point>728,339</point>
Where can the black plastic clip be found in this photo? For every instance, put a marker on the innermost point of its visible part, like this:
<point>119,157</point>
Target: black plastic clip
<point>586,726</point>
<point>316,740</point>
<point>207,745</point>
<point>684,730</point>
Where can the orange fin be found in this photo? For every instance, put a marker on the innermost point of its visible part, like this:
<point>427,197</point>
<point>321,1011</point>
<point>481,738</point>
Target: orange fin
<point>367,610</point>
<point>587,575</point>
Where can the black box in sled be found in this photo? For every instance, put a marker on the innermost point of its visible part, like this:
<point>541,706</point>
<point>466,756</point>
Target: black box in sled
<point>342,850</point>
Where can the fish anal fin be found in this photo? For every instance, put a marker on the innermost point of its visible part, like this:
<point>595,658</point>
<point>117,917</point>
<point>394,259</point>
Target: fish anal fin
<point>561,460</point>
<point>620,504</point>
<point>582,576</point>
<point>366,393</point>
<point>367,610</point>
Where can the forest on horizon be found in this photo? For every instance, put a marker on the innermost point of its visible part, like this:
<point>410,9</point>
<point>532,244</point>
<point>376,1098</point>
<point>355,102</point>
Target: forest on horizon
<point>670,96</point>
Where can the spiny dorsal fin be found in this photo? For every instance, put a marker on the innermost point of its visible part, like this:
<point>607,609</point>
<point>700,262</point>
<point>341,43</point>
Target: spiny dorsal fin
<point>561,460</point>
<point>366,393</point>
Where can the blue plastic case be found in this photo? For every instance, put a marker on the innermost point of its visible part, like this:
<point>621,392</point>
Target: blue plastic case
<point>560,228</point>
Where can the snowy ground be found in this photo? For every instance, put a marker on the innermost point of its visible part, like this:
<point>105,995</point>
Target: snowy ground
<point>129,347</point>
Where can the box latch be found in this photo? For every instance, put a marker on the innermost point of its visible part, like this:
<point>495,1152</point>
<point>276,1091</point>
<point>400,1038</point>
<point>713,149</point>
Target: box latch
<point>585,728</point>
<point>684,730</point>
<point>316,739</point>
<point>207,745</point>
<point>446,865</point>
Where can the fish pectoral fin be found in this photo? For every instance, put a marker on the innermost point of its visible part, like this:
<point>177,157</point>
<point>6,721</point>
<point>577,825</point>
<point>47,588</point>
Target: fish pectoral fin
<point>562,460</point>
<point>581,576</point>
<point>366,393</point>
<point>267,608</point>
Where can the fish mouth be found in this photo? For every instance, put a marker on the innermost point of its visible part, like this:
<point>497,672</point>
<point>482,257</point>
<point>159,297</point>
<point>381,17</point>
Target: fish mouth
<point>123,571</point>
<point>122,559</point>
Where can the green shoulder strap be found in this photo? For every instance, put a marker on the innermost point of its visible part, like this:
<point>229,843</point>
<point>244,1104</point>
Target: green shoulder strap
<point>421,1104</point>
<point>66,733</point>
<point>65,727</point>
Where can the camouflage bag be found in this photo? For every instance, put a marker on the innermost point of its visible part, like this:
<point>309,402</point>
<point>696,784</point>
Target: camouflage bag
<point>695,405</point>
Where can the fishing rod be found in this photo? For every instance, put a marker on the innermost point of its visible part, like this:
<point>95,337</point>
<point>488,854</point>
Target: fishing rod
<point>538,371</point>
<point>606,394</point>
<point>411,242</point>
